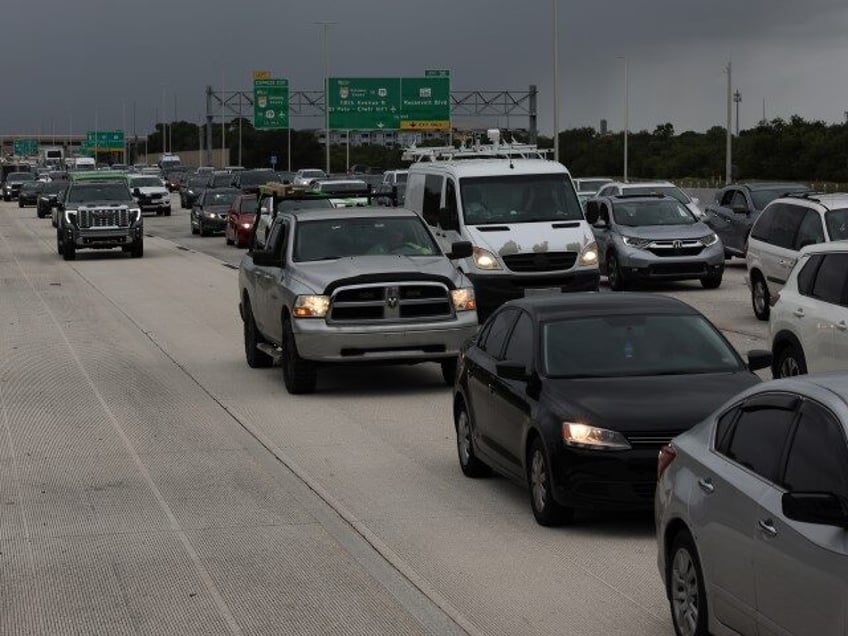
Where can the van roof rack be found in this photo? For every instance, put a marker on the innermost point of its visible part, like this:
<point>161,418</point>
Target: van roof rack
<point>476,149</point>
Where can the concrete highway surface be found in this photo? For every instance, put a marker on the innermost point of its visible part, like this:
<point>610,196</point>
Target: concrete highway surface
<point>151,482</point>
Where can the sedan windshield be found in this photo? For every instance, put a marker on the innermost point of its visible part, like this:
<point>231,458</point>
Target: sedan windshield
<point>220,198</point>
<point>519,199</point>
<point>635,345</point>
<point>99,192</point>
<point>147,182</point>
<point>669,191</point>
<point>658,212</point>
<point>837,224</point>
<point>341,238</point>
<point>21,176</point>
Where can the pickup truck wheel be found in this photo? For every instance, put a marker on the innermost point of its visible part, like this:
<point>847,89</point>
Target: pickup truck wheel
<point>449,371</point>
<point>69,251</point>
<point>60,247</point>
<point>299,375</point>
<point>137,249</point>
<point>256,359</point>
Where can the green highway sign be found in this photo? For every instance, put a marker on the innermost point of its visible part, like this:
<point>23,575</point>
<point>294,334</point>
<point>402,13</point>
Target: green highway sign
<point>104,140</point>
<point>270,103</point>
<point>24,147</point>
<point>408,103</point>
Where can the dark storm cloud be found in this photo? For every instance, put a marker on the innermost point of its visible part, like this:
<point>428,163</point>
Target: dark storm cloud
<point>79,61</point>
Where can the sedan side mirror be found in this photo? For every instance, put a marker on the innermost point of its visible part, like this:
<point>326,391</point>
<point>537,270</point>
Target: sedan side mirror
<point>512,371</point>
<point>759,359</point>
<point>460,250</point>
<point>823,508</point>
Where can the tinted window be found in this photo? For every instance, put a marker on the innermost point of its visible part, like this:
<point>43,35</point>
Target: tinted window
<point>248,205</point>
<point>787,220</point>
<point>738,200</point>
<point>818,459</point>
<point>758,440</point>
<point>289,205</point>
<point>726,198</point>
<point>723,428</point>
<point>762,198</point>
<point>810,232</point>
<point>520,345</point>
<point>501,323</point>
<point>807,275</point>
<point>99,192</point>
<point>763,224</point>
<point>432,198</point>
<point>832,279</point>
<point>837,224</point>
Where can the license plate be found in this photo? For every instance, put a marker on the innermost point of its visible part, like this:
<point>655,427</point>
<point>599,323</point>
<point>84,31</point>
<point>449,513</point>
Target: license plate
<point>541,291</point>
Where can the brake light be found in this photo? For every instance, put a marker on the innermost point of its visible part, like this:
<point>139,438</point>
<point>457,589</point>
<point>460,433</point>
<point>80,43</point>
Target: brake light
<point>666,456</point>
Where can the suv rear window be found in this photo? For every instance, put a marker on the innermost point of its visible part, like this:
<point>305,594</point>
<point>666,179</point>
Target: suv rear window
<point>837,224</point>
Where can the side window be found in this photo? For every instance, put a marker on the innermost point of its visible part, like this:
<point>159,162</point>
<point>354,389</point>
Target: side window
<point>277,240</point>
<point>762,226</point>
<point>758,439</point>
<point>738,200</point>
<point>818,458</point>
<point>807,275</point>
<point>787,220</point>
<point>604,192</point>
<point>832,279</point>
<point>494,341</point>
<point>810,232</point>
<point>432,198</point>
<point>722,438</point>
<point>521,345</point>
<point>450,199</point>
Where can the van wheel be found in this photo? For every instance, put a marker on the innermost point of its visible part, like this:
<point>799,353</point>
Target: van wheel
<point>760,296</point>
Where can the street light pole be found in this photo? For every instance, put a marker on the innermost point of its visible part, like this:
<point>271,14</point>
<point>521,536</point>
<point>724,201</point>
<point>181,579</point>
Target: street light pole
<point>326,51</point>
<point>626,112</point>
<point>737,98</point>
<point>728,165</point>
<point>556,80</point>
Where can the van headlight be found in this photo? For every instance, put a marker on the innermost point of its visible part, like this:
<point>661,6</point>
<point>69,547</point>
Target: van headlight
<point>311,306</point>
<point>484,259</point>
<point>710,240</point>
<point>585,436</point>
<point>589,254</point>
<point>463,299</point>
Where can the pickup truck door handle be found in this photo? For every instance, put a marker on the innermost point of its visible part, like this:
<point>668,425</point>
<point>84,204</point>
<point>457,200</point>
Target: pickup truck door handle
<point>706,484</point>
<point>842,325</point>
<point>767,527</point>
<point>799,313</point>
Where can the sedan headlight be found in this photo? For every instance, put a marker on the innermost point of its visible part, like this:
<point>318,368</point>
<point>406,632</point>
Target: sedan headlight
<point>210,215</point>
<point>712,239</point>
<point>310,306</point>
<point>585,436</point>
<point>484,259</point>
<point>635,242</point>
<point>463,299</point>
<point>589,254</point>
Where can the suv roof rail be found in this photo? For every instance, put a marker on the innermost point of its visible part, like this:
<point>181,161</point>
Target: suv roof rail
<point>809,196</point>
<point>497,149</point>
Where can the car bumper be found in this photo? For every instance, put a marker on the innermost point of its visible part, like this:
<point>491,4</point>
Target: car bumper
<point>214,225</point>
<point>492,291</point>
<point>103,238</point>
<point>152,206</point>
<point>316,340</point>
<point>644,265</point>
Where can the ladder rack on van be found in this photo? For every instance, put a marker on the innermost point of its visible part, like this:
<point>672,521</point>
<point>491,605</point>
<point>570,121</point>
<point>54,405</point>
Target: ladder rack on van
<point>476,151</point>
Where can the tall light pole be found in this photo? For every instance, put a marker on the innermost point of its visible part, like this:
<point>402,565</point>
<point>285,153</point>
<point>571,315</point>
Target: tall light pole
<point>728,158</point>
<point>326,51</point>
<point>626,111</point>
<point>556,80</point>
<point>737,98</point>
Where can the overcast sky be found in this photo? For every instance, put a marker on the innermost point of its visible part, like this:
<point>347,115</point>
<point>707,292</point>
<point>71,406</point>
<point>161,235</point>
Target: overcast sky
<point>69,62</point>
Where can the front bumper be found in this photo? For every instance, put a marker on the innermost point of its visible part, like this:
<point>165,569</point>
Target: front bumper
<point>642,264</point>
<point>493,290</point>
<point>214,225</point>
<point>396,342</point>
<point>103,238</point>
<point>155,205</point>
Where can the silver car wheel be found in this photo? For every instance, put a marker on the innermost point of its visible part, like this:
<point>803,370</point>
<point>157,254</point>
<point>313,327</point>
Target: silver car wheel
<point>538,480</point>
<point>760,297</point>
<point>463,437</point>
<point>685,593</point>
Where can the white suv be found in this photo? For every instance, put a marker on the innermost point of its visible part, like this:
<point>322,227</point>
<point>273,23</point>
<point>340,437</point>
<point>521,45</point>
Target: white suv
<point>809,322</point>
<point>786,226</point>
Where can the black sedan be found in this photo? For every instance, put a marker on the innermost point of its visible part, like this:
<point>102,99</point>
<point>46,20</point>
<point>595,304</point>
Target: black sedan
<point>28,194</point>
<point>49,196</point>
<point>209,213</point>
<point>574,395</point>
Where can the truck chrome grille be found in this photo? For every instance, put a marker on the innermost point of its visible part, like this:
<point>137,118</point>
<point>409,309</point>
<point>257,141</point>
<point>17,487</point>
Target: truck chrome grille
<point>391,302</point>
<point>103,217</point>
<point>540,261</point>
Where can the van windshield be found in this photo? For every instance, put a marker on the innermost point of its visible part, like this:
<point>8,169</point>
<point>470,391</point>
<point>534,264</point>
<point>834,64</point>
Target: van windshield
<point>529,198</point>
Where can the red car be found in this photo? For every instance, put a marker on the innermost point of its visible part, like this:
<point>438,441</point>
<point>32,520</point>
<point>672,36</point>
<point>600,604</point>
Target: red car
<point>240,220</point>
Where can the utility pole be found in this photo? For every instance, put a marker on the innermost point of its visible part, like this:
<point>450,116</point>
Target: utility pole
<point>326,47</point>
<point>737,98</point>
<point>728,165</point>
<point>209,120</point>
<point>556,80</point>
<point>626,112</point>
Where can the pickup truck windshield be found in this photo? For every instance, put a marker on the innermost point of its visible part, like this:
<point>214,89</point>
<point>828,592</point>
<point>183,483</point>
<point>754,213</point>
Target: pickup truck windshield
<point>530,198</point>
<point>98,192</point>
<point>342,238</point>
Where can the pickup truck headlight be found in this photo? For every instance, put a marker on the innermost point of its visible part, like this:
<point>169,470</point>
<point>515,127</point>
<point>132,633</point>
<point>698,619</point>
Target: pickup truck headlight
<point>70,216</point>
<point>592,437</point>
<point>634,242</point>
<point>589,254</point>
<point>484,259</point>
<point>135,214</point>
<point>463,299</point>
<point>712,239</point>
<point>310,306</point>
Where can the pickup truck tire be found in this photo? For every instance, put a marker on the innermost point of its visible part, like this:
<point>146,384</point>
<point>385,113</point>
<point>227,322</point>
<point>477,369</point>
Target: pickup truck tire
<point>69,251</point>
<point>60,247</point>
<point>299,375</point>
<point>256,359</point>
<point>137,250</point>
<point>449,371</point>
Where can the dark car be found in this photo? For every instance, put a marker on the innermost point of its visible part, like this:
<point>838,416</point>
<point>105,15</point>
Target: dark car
<point>220,179</point>
<point>735,208</point>
<point>49,196</point>
<point>192,189</point>
<point>28,194</point>
<point>209,213</point>
<point>240,219</point>
<point>14,181</point>
<point>173,178</point>
<point>248,181</point>
<point>575,395</point>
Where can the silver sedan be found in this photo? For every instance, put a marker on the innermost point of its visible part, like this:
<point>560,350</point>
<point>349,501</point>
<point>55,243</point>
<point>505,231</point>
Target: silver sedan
<point>752,510</point>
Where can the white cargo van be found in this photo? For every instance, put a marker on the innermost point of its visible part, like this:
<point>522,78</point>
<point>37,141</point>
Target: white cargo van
<point>84,163</point>
<point>522,216</point>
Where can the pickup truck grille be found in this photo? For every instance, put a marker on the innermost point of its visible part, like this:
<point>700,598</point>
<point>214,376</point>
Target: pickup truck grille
<point>540,261</point>
<point>103,217</point>
<point>390,302</point>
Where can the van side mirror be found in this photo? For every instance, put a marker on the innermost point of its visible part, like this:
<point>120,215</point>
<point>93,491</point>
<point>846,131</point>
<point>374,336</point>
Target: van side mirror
<point>823,508</point>
<point>447,221</point>
<point>460,250</point>
<point>592,213</point>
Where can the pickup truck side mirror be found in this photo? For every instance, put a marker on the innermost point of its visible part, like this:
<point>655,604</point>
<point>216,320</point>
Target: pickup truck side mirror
<point>266,259</point>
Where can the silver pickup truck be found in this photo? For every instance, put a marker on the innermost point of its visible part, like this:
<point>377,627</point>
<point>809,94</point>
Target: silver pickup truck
<point>342,286</point>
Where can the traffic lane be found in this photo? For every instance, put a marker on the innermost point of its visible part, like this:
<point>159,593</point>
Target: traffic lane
<point>384,451</point>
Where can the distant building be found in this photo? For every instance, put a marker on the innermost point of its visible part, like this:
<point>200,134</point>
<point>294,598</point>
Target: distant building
<point>603,128</point>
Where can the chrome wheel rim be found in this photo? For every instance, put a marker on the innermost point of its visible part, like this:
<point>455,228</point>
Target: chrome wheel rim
<point>463,438</point>
<point>685,594</point>
<point>539,480</point>
<point>789,367</point>
<point>760,300</point>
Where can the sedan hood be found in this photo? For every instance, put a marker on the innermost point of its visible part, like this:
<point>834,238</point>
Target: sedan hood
<point>318,275</point>
<point>672,403</point>
<point>666,232</point>
<point>521,238</point>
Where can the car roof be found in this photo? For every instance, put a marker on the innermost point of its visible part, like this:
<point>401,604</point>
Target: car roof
<point>771,185</point>
<point>325,214</point>
<point>644,184</point>
<point>495,167</point>
<point>835,382</point>
<point>577,304</point>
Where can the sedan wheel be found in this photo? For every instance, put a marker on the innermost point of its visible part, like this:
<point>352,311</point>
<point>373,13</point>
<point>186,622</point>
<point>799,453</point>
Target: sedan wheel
<point>468,462</point>
<point>614,275</point>
<point>545,508</point>
<point>686,589</point>
<point>760,297</point>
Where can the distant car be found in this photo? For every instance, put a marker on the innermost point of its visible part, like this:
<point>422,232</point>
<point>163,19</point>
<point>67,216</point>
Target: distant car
<point>209,213</point>
<point>240,219</point>
<point>345,193</point>
<point>751,513</point>
<point>14,181</point>
<point>220,179</point>
<point>248,181</point>
<point>575,394</point>
<point>48,197</point>
<point>652,187</point>
<point>28,194</point>
<point>736,208</point>
<point>151,194</point>
<point>307,176</point>
<point>643,237</point>
<point>809,322</point>
<point>191,189</point>
<point>587,187</point>
<point>786,226</point>
<point>173,177</point>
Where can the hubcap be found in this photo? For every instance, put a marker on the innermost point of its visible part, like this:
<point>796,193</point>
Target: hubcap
<point>789,367</point>
<point>684,593</point>
<point>760,300</point>
<point>463,437</point>
<point>538,480</point>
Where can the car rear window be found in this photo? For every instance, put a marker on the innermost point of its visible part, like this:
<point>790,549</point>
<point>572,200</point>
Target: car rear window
<point>837,224</point>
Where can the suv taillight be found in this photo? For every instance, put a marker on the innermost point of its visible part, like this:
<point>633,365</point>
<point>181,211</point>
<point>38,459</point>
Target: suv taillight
<point>666,456</point>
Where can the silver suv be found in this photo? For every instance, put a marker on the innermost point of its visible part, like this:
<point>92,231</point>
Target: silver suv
<point>358,285</point>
